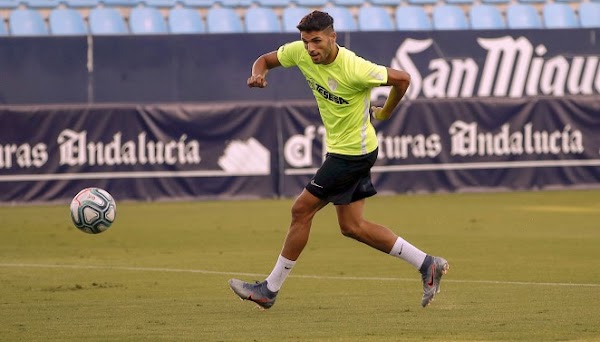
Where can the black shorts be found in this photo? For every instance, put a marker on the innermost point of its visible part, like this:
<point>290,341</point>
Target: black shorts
<point>344,179</point>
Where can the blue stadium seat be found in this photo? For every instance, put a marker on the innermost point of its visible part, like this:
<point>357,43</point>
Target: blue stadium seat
<point>348,3</point>
<point>47,4</point>
<point>374,18</point>
<point>147,20</point>
<point>449,17</point>
<point>459,2</point>
<point>495,2</point>
<point>531,1</point>
<point>486,17</point>
<point>589,14</point>
<point>81,3</point>
<point>234,3</point>
<point>273,3</point>
<point>157,3</point>
<point>291,17</point>
<point>106,21</point>
<point>9,4</point>
<point>118,3</point>
<point>390,3</point>
<point>343,20</point>
<point>261,19</point>
<point>184,20</point>
<point>312,3</point>
<point>422,2</point>
<point>412,18</point>
<point>198,3</point>
<point>223,20</point>
<point>66,21</point>
<point>522,16</point>
<point>559,16</point>
<point>27,22</point>
<point>3,30</point>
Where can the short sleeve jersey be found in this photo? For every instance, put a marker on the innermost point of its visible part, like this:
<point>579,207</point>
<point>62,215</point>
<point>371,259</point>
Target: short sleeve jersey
<point>342,90</point>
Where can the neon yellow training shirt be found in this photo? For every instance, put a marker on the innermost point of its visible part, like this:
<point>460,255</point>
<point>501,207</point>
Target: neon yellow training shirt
<point>342,90</point>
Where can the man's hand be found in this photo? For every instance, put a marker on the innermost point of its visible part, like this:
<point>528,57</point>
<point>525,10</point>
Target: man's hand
<point>257,81</point>
<point>379,114</point>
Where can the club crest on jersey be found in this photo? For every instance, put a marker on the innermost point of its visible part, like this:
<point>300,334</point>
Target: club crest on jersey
<point>332,84</point>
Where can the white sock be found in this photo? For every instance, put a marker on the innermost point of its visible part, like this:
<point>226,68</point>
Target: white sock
<point>404,250</point>
<point>281,270</point>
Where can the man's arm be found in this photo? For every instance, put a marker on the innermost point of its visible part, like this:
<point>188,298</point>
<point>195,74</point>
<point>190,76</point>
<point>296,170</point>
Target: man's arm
<point>399,80</point>
<point>261,66</point>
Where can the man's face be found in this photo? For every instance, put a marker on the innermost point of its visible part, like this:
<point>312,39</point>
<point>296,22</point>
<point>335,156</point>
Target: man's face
<point>320,45</point>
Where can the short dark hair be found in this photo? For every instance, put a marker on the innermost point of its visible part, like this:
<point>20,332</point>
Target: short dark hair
<point>315,21</point>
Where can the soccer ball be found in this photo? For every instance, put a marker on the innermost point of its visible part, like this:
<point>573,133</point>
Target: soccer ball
<point>93,210</point>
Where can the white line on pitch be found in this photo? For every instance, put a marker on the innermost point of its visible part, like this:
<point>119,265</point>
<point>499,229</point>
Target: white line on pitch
<point>182,270</point>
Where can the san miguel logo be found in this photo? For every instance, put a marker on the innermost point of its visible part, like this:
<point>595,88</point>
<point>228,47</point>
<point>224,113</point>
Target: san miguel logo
<point>513,67</point>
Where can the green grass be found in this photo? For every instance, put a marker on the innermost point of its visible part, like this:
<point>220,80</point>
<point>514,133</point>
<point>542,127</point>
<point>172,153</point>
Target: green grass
<point>524,267</point>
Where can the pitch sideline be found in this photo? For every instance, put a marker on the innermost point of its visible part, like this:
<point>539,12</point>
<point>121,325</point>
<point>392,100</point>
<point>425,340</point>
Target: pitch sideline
<point>181,270</point>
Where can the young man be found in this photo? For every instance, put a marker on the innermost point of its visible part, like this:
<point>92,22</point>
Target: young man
<point>341,83</point>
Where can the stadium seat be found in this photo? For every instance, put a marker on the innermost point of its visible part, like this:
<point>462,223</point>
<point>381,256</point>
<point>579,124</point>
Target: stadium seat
<point>3,30</point>
<point>198,3</point>
<point>41,4</point>
<point>390,3</point>
<point>531,1</point>
<point>157,3</point>
<point>9,4</point>
<point>559,16</point>
<point>449,17</point>
<point>184,20</point>
<point>273,3</point>
<point>374,18</point>
<point>261,19</point>
<point>422,2</point>
<point>223,20</point>
<point>291,17</point>
<point>27,22</point>
<point>589,14</point>
<point>81,3</point>
<point>312,3</point>
<point>234,3</point>
<point>412,18</point>
<point>343,20</point>
<point>66,21</point>
<point>348,3</point>
<point>118,3</point>
<point>522,16</point>
<point>496,2</point>
<point>147,20</point>
<point>486,17</point>
<point>458,2</point>
<point>106,21</point>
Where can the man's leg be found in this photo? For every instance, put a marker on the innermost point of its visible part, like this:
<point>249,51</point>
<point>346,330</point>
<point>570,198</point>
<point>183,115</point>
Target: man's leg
<point>303,211</point>
<point>353,225</point>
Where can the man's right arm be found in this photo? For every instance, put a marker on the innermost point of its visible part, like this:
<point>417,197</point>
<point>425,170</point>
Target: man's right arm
<point>261,66</point>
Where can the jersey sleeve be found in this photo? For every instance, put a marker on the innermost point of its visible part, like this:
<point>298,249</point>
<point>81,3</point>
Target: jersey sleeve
<point>289,54</point>
<point>369,74</point>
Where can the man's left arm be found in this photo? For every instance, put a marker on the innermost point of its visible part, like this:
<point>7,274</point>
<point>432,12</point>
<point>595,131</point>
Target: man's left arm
<point>399,80</point>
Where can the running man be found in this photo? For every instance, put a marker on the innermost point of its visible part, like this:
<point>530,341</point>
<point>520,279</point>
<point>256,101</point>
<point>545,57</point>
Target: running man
<point>341,83</point>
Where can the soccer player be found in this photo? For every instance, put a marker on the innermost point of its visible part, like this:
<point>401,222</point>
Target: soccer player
<point>341,83</point>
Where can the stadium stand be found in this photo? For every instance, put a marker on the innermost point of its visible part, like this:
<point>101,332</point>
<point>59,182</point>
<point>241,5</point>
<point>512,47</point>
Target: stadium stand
<point>27,22</point>
<point>66,21</point>
<point>184,20</point>
<point>252,16</point>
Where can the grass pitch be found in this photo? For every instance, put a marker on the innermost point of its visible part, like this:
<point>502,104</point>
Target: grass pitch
<point>524,267</point>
